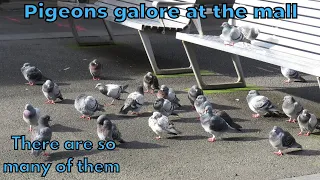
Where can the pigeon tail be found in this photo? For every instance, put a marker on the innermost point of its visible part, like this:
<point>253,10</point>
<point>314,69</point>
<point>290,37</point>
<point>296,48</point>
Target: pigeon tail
<point>124,110</point>
<point>174,131</point>
<point>301,79</point>
<point>123,88</point>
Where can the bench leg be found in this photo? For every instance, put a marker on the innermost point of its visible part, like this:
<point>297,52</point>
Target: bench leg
<point>87,43</point>
<point>194,64</point>
<point>197,24</point>
<point>318,78</point>
<point>148,48</point>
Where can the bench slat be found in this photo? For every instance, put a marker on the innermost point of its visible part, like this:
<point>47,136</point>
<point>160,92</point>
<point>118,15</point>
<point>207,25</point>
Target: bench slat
<point>301,19</point>
<point>258,53</point>
<point>301,10</point>
<point>301,3</point>
<point>282,32</point>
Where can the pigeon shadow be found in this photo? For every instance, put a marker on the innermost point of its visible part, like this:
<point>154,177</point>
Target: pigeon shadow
<point>250,130</point>
<point>61,128</point>
<point>140,145</point>
<point>186,138</point>
<point>305,152</point>
<point>63,84</point>
<point>129,116</point>
<point>66,101</point>
<point>56,156</point>
<point>223,107</point>
<point>186,120</point>
<point>316,133</point>
<point>186,108</point>
<point>180,92</point>
<point>243,139</point>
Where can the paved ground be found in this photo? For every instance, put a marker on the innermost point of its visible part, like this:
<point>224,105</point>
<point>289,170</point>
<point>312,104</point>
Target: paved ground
<point>246,155</point>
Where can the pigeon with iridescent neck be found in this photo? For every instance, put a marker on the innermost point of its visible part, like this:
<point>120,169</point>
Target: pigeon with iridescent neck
<point>95,68</point>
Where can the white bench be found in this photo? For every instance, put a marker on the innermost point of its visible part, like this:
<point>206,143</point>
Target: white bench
<point>291,43</point>
<point>144,26</point>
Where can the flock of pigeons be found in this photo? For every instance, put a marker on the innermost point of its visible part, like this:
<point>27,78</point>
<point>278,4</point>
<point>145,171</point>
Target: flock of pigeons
<point>213,121</point>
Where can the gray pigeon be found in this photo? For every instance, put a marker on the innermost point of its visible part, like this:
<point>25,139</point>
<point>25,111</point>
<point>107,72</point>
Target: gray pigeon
<point>150,83</point>
<point>112,90</point>
<point>193,93</point>
<point>95,68</point>
<point>260,104</point>
<point>282,140</point>
<point>250,33</point>
<point>87,105</point>
<point>291,75</point>
<point>307,122</point>
<point>42,133</point>
<point>231,34</point>
<point>161,124</point>
<point>168,93</point>
<point>213,124</point>
<point>224,115</point>
<point>164,106</point>
<point>291,108</point>
<point>134,102</point>
<point>107,130</point>
<point>51,91</point>
<point>200,103</point>
<point>31,115</point>
<point>31,73</point>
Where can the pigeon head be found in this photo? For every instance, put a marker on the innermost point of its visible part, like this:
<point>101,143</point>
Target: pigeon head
<point>149,74</point>
<point>275,132</point>
<point>253,92</point>
<point>48,85</point>
<point>26,65</point>
<point>195,87</point>
<point>44,120</point>
<point>101,119</point>
<point>306,114</point>
<point>99,86</point>
<point>200,99</point>
<point>164,88</point>
<point>140,89</point>
<point>158,104</point>
<point>289,99</point>
<point>225,25</point>
<point>161,94</point>
<point>28,107</point>
<point>156,115</point>
<point>208,110</point>
<point>95,62</point>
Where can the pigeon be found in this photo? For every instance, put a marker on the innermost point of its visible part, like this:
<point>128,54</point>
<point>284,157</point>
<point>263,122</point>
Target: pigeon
<point>291,74</point>
<point>168,93</point>
<point>250,33</point>
<point>160,124</point>
<point>307,122</point>
<point>214,124</point>
<point>150,83</point>
<point>32,74</point>
<point>112,90</point>
<point>282,140</point>
<point>200,103</point>
<point>41,133</point>
<point>231,34</point>
<point>31,115</point>
<point>51,91</point>
<point>134,102</point>
<point>225,116</point>
<point>95,68</point>
<point>164,106</point>
<point>291,108</point>
<point>107,130</point>
<point>193,93</point>
<point>87,105</point>
<point>260,104</point>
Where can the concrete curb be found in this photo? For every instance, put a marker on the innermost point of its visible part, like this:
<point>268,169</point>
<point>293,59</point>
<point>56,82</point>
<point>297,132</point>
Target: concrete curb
<point>308,177</point>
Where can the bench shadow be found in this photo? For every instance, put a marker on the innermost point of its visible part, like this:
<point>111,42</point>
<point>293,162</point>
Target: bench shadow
<point>140,145</point>
<point>186,120</point>
<point>56,156</point>
<point>305,152</point>
<point>66,101</point>
<point>250,130</point>
<point>63,84</point>
<point>62,128</point>
<point>312,95</point>
<point>243,139</point>
<point>186,138</point>
<point>223,107</point>
<point>240,120</point>
<point>129,116</point>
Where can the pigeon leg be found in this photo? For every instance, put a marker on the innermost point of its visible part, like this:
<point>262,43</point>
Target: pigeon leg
<point>229,44</point>
<point>294,121</point>
<point>300,133</point>
<point>213,139</point>
<point>147,91</point>
<point>110,103</point>
<point>83,116</point>
<point>95,78</point>
<point>88,118</point>
<point>151,91</point>
<point>287,81</point>
<point>290,120</point>
<point>279,153</point>
<point>30,128</point>
<point>50,102</point>
<point>307,134</point>
<point>158,138</point>
<point>255,115</point>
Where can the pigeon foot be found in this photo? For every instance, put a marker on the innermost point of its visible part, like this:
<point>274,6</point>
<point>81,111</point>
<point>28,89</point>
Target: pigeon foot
<point>255,115</point>
<point>50,102</point>
<point>158,138</point>
<point>30,83</point>
<point>279,153</point>
<point>95,79</point>
<point>88,118</point>
<point>83,117</point>
<point>46,154</point>
<point>300,133</point>
<point>212,139</point>
<point>307,134</point>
